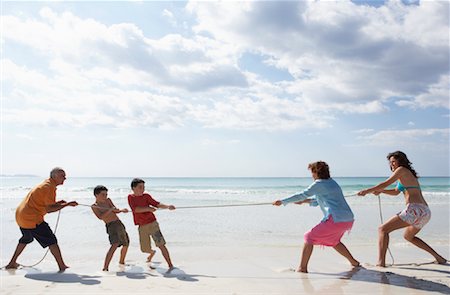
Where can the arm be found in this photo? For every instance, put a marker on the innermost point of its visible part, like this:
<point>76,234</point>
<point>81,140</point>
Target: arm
<point>115,209</point>
<point>163,206</point>
<point>395,176</point>
<point>144,209</point>
<point>391,192</point>
<point>59,205</point>
<point>299,198</point>
<point>306,201</point>
<point>101,215</point>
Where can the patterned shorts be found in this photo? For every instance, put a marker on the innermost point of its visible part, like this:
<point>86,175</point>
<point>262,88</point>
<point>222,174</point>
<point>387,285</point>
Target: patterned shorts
<point>415,214</point>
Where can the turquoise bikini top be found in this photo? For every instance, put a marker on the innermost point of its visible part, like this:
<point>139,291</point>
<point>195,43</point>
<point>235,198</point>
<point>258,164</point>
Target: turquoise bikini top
<point>402,188</point>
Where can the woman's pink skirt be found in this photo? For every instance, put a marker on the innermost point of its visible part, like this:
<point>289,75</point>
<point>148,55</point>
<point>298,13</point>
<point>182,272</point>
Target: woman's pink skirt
<point>327,233</point>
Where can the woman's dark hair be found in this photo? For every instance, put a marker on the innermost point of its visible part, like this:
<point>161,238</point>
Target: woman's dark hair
<point>136,181</point>
<point>321,169</point>
<point>403,161</point>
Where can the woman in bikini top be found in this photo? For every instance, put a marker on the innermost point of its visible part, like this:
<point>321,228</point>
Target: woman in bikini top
<point>413,217</point>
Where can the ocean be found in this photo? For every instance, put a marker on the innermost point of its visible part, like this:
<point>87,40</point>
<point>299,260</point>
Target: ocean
<point>246,226</point>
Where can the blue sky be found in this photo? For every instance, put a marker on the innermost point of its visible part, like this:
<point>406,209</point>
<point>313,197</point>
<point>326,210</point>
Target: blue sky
<point>224,88</point>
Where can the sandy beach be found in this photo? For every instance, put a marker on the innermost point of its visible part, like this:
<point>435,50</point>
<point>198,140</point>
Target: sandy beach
<point>233,270</point>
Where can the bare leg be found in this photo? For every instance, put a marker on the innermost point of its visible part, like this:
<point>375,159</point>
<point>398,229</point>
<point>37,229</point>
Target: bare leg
<point>341,249</point>
<point>123,253</point>
<point>109,256</point>
<point>383,237</point>
<point>306,254</point>
<point>19,249</point>
<point>54,249</point>
<point>166,255</point>
<point>150,257</point>
<point>410,236</point>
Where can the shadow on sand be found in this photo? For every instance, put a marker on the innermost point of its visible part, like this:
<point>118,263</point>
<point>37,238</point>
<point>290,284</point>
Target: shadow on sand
<point>182,276</point>
<point>389,278</point>
<point>63,277</point>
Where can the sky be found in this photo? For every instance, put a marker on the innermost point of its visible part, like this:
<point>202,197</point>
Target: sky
<point>224,89</point>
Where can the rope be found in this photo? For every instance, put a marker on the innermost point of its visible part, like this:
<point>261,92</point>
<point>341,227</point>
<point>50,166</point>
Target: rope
<point>192,207</point>
<point>207,206</point>
<point>46,252</point>
<point>381,218</point>
<point>222,206</point>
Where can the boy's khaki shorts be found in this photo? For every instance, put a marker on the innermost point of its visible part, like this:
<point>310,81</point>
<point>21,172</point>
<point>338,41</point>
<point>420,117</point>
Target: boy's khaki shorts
<point>117,233</point>
<point>150,230</point>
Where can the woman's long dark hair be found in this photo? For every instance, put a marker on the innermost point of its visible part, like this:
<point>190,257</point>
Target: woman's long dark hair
<point>403,161</point>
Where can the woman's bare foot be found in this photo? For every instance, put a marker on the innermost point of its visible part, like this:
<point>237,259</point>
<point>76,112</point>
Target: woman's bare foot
<point>381,264</point>
<point>303,270</point>
<point>356,264</point>
<point>14,265</point>
<point>152,253</point>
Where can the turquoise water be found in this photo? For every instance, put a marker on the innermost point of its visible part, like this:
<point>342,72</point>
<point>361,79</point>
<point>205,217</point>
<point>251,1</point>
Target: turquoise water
<point>185,190</point>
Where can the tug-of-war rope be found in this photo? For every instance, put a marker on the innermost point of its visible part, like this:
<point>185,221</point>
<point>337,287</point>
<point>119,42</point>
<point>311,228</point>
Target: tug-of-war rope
<point>197,207</point>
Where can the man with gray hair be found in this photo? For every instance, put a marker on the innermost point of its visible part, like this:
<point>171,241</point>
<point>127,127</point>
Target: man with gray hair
<point>30,217</point>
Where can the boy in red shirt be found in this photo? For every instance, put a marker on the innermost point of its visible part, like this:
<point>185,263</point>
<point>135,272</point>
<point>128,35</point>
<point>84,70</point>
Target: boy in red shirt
<point>143,206</point>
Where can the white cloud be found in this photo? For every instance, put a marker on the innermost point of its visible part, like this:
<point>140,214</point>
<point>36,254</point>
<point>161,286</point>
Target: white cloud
<point>347,52</point>
<point>365,130</point>
<point>432,139</point>
<point>344,59</point>
<point>170,17</point>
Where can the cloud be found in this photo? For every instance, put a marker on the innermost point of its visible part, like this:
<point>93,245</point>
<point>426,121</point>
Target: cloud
<point>342,58</point>
<point>431,139</point>
<point>340,51</point>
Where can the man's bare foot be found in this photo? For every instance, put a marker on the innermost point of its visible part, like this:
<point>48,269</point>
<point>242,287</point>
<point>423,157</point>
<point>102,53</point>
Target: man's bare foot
<point>105,269</point>
<point>356,264</point>
<point>63,268</point>
<point>14,265</point>
<point>152,253</point>
<point>441,260</point>
<point>381,264</point>
<point>303,270</point>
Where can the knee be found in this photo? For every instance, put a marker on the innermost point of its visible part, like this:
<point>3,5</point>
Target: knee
<point>408,237</point>
<point>382,230</point>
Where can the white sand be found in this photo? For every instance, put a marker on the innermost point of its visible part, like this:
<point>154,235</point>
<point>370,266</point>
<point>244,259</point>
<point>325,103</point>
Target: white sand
<point>234,270</point>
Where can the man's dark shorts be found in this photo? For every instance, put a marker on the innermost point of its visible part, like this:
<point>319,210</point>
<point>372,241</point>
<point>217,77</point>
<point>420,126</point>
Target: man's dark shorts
<point>117,233</point>
<point>42,233</point>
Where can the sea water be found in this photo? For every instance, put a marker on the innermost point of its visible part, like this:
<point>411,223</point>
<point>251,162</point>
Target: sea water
<point>82,236</point>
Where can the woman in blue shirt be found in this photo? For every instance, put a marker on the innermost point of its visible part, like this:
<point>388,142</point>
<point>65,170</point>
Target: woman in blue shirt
<point>338,217</point>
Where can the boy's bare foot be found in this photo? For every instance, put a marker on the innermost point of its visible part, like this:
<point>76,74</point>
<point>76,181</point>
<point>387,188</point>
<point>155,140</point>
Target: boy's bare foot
<point>303,270</point>
<point>14,265</point>
<point>152,253</point>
